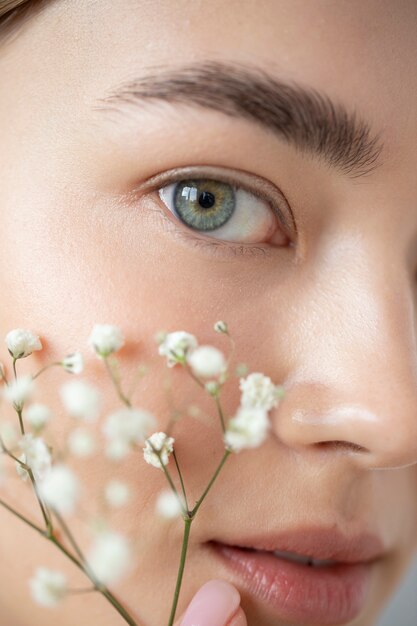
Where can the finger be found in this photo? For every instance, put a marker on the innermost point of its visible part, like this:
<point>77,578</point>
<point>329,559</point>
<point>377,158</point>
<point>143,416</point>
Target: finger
<point>216,603</point>
<point>239,619</point>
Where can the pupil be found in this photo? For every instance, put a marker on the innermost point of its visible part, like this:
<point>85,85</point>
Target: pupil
<point>206,199</point>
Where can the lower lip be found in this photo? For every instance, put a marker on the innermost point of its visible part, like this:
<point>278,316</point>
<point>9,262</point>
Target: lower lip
<point>329,595</point>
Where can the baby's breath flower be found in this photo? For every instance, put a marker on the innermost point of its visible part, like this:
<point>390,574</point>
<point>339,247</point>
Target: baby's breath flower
<point>19,390</point>
<point>38,415</point>
<point>60,489</point>
<point>21,472</point>
<point>117,493</point>
<point>81,399</point>
<point>117,449</point>
<point>81,443</point>
<point>109,557</point>
<point>241,369</point>
<point>258,391</point>
<point>48,587</point>
<point>73,363</point>
<point>128,425</point>
<point>36,455</point>
<point>220,327</point>
<point>176,345</point>
<point>168,505</point>
<point>212,387</point>
<point>21,343</point>
<point>105,339</point>
<point>247,429</point>
<point>206,361</point>
<point>161,442</point>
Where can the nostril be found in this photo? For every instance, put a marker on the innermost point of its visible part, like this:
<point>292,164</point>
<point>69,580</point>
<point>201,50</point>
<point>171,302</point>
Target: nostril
<point>346,445</point>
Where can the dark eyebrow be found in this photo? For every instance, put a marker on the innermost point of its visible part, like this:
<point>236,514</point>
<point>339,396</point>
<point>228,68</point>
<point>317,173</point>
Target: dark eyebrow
<point>304,117</point>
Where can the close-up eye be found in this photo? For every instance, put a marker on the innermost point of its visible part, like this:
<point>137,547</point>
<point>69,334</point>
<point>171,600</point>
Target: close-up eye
<point>225,210</point>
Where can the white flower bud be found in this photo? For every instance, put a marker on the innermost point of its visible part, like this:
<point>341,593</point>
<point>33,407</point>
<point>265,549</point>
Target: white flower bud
<point>60,489</point>
<point>129,425</point>
<point>206,361</point>
<point>19,390</point>
<point>109,557</point>
<point>81,399</point>
<point>247,429</point>
<point>212,387</point>
<point>36,455</point>
<point>81,443</point>
<point>48,587</point>
<point>167,505</point>
<point>117,449</point>
<point>220,327</point>
<point>38,415</point>
<point>161,442</point>
<point>258,391</point>
<point>21,343</point>
<point>105,339</point>
<point>73,363</point>
<point>116,493</point>
<point>176,345</point>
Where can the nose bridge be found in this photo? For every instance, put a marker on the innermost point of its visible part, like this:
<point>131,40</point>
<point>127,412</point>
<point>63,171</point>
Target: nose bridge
<point>355,372</point>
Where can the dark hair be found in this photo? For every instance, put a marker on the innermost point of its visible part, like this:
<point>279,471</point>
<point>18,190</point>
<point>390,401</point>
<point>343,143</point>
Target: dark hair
<point>15,13</point>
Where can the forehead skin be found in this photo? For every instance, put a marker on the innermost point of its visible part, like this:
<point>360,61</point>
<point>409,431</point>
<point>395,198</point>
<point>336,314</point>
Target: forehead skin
<point>64,167</point>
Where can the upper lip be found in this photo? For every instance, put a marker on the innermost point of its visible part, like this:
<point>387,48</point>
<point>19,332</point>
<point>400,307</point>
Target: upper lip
<point>321,543</point>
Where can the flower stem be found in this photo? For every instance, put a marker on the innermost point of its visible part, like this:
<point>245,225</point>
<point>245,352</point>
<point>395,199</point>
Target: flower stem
<point>69,535</point>
<point>219,408</point>
<point>216,473</point>
<point>46,516</point>
<point>187,527</point>
<point>21,517</point>
<point>180,475</point>
<point>100,588</point>
<point>45,368</point>
<point>22,427</point>
<point>120,393</point>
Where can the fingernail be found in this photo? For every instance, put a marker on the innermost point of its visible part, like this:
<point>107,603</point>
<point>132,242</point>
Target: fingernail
<point>213,605</point>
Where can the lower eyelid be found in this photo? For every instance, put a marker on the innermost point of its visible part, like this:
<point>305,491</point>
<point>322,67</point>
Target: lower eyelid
<point>213,247</point>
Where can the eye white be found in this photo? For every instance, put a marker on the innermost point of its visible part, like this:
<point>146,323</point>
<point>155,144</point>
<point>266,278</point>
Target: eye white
<point>251,222</point>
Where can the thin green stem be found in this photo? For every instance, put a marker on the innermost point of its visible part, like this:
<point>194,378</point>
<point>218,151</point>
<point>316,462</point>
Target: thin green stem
<point>216,473</point>
<point>116,383</point>
<point>219,408</point>
<point>14,368</point>
<point>191,373</point>
<point>168,476</point>
<point>187,527</point>
<point>22,426</point>
<point>69,535</point>
<point>21,517</point>
<point>45,513</point>
<point>45,368</point>
<point>101,588</point>
<point>182,482</point>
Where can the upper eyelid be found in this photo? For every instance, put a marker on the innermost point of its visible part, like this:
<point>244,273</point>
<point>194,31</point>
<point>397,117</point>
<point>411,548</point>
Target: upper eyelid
<point>263,188</point>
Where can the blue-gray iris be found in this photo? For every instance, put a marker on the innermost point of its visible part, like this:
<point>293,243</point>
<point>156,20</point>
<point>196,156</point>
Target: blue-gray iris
<point>204,204</point>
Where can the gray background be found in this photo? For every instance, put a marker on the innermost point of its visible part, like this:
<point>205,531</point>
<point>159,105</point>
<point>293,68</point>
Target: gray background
<point>402,610</point>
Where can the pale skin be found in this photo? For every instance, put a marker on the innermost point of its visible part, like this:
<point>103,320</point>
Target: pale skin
<point>333,318</point>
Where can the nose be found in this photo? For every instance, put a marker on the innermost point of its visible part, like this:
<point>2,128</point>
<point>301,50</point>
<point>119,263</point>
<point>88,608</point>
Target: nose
<point>352,385</point>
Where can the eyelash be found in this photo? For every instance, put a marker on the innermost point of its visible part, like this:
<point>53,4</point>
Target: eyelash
<point>230,248</point>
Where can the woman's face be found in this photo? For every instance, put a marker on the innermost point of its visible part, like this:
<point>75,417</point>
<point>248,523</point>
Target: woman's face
<point>321,299</point>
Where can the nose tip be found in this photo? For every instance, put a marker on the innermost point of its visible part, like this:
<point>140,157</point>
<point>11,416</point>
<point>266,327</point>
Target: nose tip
<point>376,433</point>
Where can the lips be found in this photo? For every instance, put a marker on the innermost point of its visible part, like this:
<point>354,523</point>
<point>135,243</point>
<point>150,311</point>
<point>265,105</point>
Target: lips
<point>321,543</point>
<point>298,582</point>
